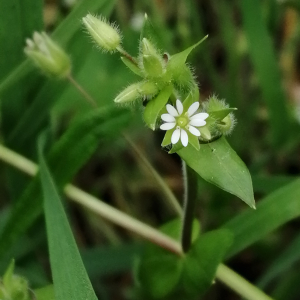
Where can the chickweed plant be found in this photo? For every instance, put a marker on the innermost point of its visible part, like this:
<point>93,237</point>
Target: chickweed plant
<point>179,259</point>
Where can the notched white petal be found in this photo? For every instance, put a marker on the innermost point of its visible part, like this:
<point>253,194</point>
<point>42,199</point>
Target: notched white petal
<point>175,136</point>
<point>167,118</point>
<point>184,138</point>
<point>194,131</point>
<point>193,108</point>
<point>171,110</point>
<point>167,126</point>
<point>197,122</point>
<point>179,106</point>
<point>202,116</point>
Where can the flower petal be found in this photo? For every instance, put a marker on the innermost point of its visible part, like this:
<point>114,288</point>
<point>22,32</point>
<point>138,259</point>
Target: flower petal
<point>192,109</point>
<point>175,136</point>
<point>194,131</point>
<point>167,126</point>
<point>179,106</point>
<point>171,110</point>
<point>167,118</point>
<point>197,122</point>
<point>184,138</point>
<point>202,116</point>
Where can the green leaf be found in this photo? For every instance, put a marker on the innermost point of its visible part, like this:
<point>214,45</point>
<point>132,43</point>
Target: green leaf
<point>273,211</point>
<point>283,263</point>
<point>69,275</point>
<point>167,138</point>
<point>163,274</point>
<point>219,164</point>
<point>134,68</point>
<point>155,105</point>
<point>65,158</point>
<point>219,115</point>
<point>267,68</point>
<point>177,61</point>
<point>202,260</point>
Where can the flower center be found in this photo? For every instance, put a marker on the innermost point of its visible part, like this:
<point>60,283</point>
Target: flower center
<point>182,121</point>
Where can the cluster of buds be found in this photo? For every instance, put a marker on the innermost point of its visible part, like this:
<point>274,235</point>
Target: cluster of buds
<point>167,87</point>
<point>14,287</point>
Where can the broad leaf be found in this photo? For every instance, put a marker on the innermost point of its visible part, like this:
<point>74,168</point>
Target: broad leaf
<point>69,275</point>
<point>164,275</point>
<point>177,61</point>
<point>219,164</point>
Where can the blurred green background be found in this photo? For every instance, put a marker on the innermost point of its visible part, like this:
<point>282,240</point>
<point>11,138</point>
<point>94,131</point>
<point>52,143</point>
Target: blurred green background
<point>251,59</point>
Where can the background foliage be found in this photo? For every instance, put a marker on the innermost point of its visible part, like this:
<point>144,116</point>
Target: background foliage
<point>251,59</point>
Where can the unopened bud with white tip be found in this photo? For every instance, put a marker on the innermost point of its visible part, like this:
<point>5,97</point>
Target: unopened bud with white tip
<point>47,55</point>
<point>105,35</point>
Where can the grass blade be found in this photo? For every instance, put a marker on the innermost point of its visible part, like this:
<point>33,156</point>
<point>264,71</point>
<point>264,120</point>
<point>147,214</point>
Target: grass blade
<point>69,275</point>
<point>267,69</point>
<point>275,210</point>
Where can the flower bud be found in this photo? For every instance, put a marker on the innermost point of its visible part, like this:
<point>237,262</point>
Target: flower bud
<point>105,35</point>
<point>221,120</point>
<point>137,90</point>
<point>47,55</point>
<point>152,61</point>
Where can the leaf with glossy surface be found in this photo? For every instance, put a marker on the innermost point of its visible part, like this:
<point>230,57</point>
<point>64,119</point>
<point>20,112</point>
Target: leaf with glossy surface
<point>219,164</point>
<point>69,275</point>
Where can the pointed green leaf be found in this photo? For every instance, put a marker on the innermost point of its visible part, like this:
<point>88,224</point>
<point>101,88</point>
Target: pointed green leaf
<point>69,275</point>
<point>202,260</point>
<point>167,139</point>
<point>133,67</point>
<point>219,164</point>
<point>272,212</point>
<point>177,61</point>
<point>220,114</point>
<point>155,105</point>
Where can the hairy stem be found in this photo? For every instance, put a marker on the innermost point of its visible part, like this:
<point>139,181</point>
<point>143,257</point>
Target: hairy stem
<point>190,196</point>
<point>173,202</point>
<point>82,91</point>
<point>127,55</point>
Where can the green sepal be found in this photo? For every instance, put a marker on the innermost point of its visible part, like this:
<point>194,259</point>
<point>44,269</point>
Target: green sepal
<point>154,106</point>
<point>152,65</point>
<point>133,67</point>
<point>194,141</point>
<point>167,139</point>
<point>178,146</point>
<point>205,133</point>
<point>8,275</point>
<point>177,61</point>
<point>219,115</point>
<point>192,97</point>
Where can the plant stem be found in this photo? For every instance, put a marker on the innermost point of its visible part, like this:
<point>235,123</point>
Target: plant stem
<point>240,285</point>
<point>224,274</point>
<point>190,196</point>
<point>161,183</point>
<point>127,55</point>
<point>82,91</point>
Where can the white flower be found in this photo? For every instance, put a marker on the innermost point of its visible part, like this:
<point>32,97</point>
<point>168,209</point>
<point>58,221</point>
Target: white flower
<point>181,121</point>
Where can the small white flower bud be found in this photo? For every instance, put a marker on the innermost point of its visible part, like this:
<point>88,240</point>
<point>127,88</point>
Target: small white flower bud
<point>47,55</point>
<point>105,35</point>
